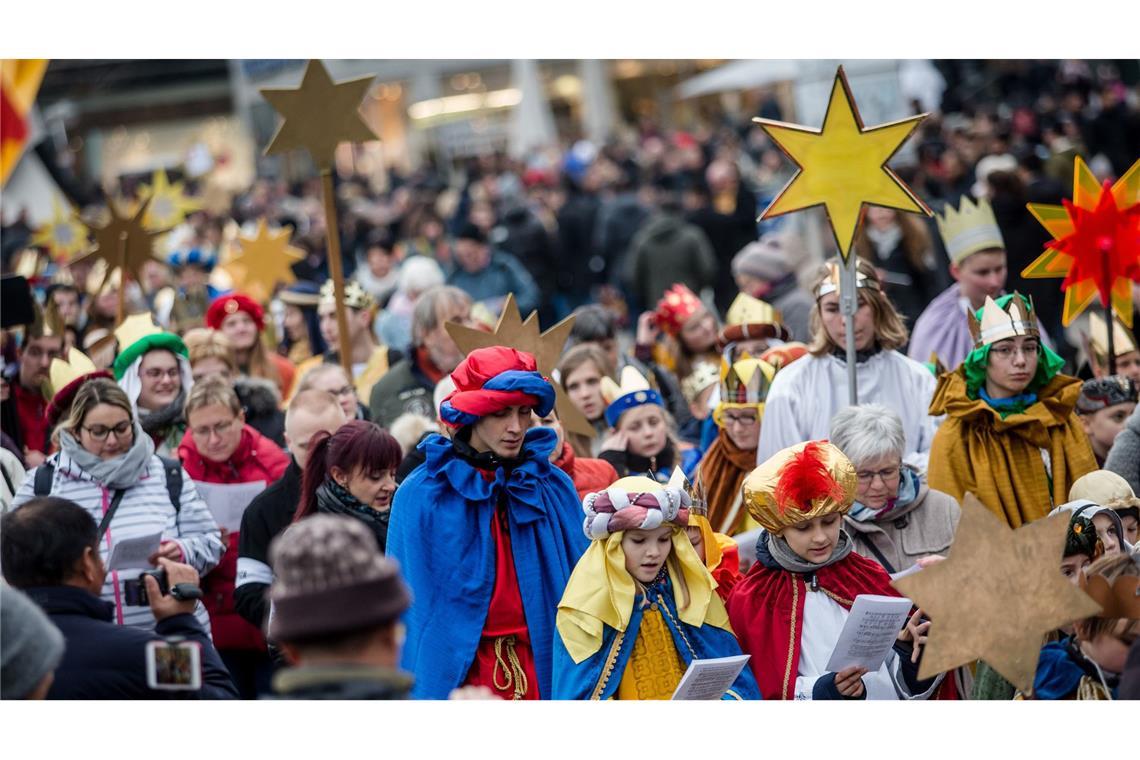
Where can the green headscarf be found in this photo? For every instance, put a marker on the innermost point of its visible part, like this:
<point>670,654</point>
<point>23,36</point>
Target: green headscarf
<point>1048,362</point>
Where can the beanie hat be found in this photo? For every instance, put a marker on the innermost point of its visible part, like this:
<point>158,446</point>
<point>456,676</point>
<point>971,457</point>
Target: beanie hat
<point>331,579</point>
<point>232,304</point>
<point>32,645</point>
<point>470,231</point>
<point>1103,392</point>
<point>770,258</point>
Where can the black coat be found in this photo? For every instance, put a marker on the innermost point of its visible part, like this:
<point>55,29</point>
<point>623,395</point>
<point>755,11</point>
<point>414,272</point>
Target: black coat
<point>270,513</point>
<point>107,661</point>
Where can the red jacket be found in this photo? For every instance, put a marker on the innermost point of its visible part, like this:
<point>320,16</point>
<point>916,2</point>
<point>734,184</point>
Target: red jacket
<point>256,458</point>
<point>589,475</point>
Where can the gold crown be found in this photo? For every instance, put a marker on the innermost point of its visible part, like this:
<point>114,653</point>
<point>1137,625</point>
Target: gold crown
<point>746,310</point>
<point>832,283</point>
<point>702,376</point>
<point>355,296</point>
<point>1120,600</point>
<point>65,371</point>
<point>696,492</point>
<point>998,323</point>
<point>632,381</point>
<point>45,325</point>
<point>969,229</point>
<point>135,328</point>
<point>1123,341</point>
<point>744,384</point>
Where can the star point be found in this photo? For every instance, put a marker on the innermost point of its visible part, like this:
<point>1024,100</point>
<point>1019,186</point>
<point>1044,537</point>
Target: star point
<point>109,240</point>
<point>263,262</point>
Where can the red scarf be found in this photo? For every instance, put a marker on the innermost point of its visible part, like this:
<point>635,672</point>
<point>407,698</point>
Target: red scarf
<point>427,366</point>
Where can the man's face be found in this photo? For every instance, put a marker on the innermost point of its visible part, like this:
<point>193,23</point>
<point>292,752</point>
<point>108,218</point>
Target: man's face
<point>66,305</point>
<point>358,321</point>
<point>161,380</point>
<point>979,275</point>
<point>502,432</point>
<point>211,366</point>
<point>444,354</point>
<point>302,425</point>
<point>472,255</point>
<point>379,261</point>
<point>35,360</point>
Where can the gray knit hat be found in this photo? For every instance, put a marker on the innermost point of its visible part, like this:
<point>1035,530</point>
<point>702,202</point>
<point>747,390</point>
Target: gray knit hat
<point>770,258</point>
<point>331,578</point>
<point>30,644</point>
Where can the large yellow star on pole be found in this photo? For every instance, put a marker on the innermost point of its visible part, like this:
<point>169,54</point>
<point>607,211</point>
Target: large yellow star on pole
<point>843,165</point>
<point>264,262</point>
<point>997,595</point>
<point>169,203</point>
<point>319,115</point>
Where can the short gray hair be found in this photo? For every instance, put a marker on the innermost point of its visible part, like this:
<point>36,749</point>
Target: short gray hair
<point>419,273</point>
<point>868,432</point>
<point>425,315</point>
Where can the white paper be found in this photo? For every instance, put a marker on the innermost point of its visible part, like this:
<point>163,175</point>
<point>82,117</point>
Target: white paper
<point>133,553</point>
<point>710,679</point>
<point>227,502</point>
<point>904,573</point>
<point>869,633</point>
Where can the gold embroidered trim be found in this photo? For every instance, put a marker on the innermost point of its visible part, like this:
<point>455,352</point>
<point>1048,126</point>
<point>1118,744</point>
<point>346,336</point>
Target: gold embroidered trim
<point>792,636</point>
<point>841,600</point>
<point>607,671</point>
<point>680,630</point>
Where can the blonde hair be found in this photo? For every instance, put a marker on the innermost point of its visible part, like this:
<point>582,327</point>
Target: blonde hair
<point>311,375</point>
<point>91,394</point>
<point>211,391</point>
<point>890,332</point>
<point>204,343</point>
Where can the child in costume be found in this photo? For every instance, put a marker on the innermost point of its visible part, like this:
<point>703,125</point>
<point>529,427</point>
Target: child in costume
<point>640,605</point>
<point>719,552</point>
<point>690,332</point>
<point>1104,406</point>
<point>641,440</point>
<point>790,608</point>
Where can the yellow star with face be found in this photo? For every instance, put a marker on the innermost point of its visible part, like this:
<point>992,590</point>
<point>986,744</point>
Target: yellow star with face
<point>319,115</point>
<point>264,262</point>
<point>64,236</point>
<point>843,165</point>
<point>169,204</point>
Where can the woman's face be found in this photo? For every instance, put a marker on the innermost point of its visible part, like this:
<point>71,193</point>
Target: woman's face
<point>814,539</point>
<point>210,366</point>
<point>161,380</point>
<point>294,323</point>
<point>373,488</point>
<point>836,329</point>
<point>240,328</point>
<point>216,431</point>
<point>698,334</point>
<point>878,480</point>
<point>742,426</point>
<point>1011,365</point>
<point>646,429</point>
<point>646,551</point>
<point>1106,532</point>
<point>584,387</point>
<point>106,431</point>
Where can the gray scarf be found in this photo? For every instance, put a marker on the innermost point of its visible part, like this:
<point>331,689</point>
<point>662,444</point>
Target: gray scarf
<point>121,472</point>
<point>789,560</point>
<point>159,422</point>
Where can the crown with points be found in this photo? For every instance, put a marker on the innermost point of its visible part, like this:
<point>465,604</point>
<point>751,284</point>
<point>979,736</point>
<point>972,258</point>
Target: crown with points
<point>67,375</point>
<point>1123,341</point>
<point>1121,599</point>
<point>46,324</point>
<point>968,229</point>
<point>696,492</point>
<point>997,323</point>
<point>676,307</point>
<point>750,318</point>
<point>703,375</point>
<point>744,384</point>
<point>831,283</point>
<point>634,391</point>
<point>355,296</point>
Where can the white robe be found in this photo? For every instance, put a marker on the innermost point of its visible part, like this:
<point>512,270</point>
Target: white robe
<point>807,393</point>
<point>823,620</point>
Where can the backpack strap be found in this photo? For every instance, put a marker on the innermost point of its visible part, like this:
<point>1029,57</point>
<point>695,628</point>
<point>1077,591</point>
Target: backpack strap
<point>173,471</point>
<point>45,473</point>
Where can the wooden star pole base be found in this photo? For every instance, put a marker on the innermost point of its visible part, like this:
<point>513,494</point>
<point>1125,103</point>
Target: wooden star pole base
<point>336,272</point>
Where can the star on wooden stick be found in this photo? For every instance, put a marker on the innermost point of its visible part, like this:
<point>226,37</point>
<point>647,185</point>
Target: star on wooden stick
<point>264,262</point>
<point>843,165</point>
<point>64,235</point>
<point>169,203</point>
<point>512,332</point>
<point>140,241</point>
<point>997,595</point>
<point>319,115</point>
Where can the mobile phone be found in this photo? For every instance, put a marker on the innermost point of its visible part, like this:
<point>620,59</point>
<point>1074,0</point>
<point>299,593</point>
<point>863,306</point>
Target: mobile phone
<point>174,666</point>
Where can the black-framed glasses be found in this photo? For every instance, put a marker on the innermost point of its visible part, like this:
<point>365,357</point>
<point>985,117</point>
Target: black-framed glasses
<point>219,430</point>
<point>100,432</point>
<point>886,475</point>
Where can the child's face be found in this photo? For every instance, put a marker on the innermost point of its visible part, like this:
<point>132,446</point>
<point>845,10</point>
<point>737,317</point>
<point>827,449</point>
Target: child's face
<point>645,427</point>
<point>1110,650</point>
<point>697,539</point>
<point>1106,532</point>
<point>1131,528</point>
<point>646,551</point>
<point>1072,567</point>
<point>814,539</point>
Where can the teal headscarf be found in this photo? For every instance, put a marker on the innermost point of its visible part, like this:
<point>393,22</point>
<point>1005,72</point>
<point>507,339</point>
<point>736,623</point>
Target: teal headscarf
<point>1048,365</point>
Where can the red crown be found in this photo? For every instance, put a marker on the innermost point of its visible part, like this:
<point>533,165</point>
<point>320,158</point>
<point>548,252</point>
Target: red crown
<point>674,310</point>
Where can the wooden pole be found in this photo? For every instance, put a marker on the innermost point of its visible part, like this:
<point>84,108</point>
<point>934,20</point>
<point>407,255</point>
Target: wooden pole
<point>336,272</point>
<point>122,310</point>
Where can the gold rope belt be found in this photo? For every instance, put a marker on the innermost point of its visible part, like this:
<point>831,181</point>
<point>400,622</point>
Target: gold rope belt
<point>513,673</point>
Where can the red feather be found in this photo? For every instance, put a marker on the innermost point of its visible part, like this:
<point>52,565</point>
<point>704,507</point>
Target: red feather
<point>805,478</point>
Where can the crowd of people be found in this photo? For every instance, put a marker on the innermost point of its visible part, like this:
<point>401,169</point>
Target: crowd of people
<point>688,483</point>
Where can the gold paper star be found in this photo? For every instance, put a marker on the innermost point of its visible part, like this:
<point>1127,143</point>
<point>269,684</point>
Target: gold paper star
<point>997,595</point>
<point>64,236</point>
<point>264,262</point>
<point>513,332</point>
<point>169,204</point>
<point>843,165</point>
<point>319,115</point>
<point>140,241</point>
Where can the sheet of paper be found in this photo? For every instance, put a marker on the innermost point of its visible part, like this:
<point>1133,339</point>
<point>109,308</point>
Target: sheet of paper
<point>870,632</point>
<point>228,502</point>
<point>904,573</point>
<point>133,553</point>
<point>710,679</point>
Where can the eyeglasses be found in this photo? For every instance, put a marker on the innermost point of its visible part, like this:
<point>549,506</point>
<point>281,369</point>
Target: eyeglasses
<point>347,390</point>
<point>891,473</point>
<point>100,432</point>
<point>1008,351</point>
<point>219,430</point>
<point>744,420</point>
<point>157,373</point>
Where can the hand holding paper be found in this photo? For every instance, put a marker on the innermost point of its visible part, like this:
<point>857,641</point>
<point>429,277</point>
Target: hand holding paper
<point>134,553</point>
<point>710,679</point>
<point>869,633</point>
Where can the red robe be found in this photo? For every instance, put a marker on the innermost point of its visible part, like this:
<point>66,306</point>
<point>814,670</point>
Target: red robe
<point>31,414</point>
<point>727,572</point>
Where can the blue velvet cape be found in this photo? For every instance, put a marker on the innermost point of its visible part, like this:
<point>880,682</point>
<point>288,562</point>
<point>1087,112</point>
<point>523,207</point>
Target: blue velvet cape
<point>440,533</point>
<point>579,680</point>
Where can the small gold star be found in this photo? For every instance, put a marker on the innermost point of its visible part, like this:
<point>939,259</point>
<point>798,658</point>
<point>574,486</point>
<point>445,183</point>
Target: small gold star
<point>264,262</point>
<point>169,204</point>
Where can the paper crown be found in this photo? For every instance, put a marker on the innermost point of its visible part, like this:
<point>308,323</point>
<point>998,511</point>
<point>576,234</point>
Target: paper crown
<point>968,229</point>
<point>802,482</point>
<point>1017,318</point>
<point>45,324</point>
<point>355,296</point>
<point>750,318</point>
<point>699,505</point>
<point>1123,342</point>
<point>832,283</point>
<point>634,391</point>
<point>67,375</point>
<point>1121,599</point>
<point>744,384</point>
<point>703,375</point>
<point>675,308</point>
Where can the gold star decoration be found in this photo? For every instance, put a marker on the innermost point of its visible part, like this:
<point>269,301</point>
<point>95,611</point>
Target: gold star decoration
<point>319,115</point>
<point>842,166</point>
<point>65,236</point>
<point>169,204</point>
<point>140,241</point>
<point>512,332</point>
<point>997,595</point>
<point>263,262</point>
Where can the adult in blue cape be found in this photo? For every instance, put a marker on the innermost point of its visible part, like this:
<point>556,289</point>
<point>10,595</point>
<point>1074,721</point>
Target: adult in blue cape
<point>487,532</point>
